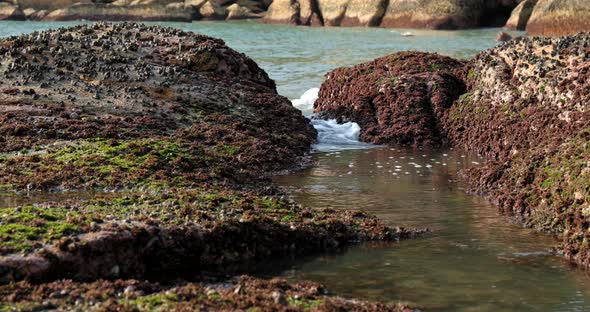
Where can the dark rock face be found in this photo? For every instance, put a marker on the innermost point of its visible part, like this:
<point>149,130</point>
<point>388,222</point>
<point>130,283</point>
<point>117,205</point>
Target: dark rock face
<point>396,99</point>
<point>525,107</point>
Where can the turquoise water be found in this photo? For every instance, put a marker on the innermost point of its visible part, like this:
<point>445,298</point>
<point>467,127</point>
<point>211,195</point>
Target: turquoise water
<point>298,57</point>
<point>475,260</point>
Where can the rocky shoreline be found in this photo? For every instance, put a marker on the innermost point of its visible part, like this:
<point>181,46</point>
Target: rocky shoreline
<point>175,134</point>
<point>522,105</point>
<point>537,17</point>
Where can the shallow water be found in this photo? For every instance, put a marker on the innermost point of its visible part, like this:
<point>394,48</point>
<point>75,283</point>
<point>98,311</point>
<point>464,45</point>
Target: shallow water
<point>475,260</point>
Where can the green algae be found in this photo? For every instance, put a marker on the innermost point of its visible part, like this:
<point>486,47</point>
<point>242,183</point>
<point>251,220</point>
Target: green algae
<point>24,228</point>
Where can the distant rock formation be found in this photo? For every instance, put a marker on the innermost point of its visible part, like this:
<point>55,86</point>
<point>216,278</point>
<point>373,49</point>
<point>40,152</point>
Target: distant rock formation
<point>521,14</point>
<point>559,17</point>
<point>538,17</point>
<point>9,11</point>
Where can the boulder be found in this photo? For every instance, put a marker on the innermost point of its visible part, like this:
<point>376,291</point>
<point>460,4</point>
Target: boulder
<point>109,12</point>
<point>364,13</point>
<point>283,12</point>
<point>131,81</point>
<point>502,36</point>
<point>10,11</point>
<point>520,16</point>
<point>528,111</point>
<point>559,17</point>
<point>255,6</point>
<point>524,105</point>
<point>396,99</point>
<point>48,5</point>
<point>433,14</point>
<point>333,11</point>
<point>235,12</point>
<point>212,10</point>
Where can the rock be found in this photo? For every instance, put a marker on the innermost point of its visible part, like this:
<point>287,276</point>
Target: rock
<point>236,11</point>
<point>283,12</point>
<point>333,11</point>
<point>520,16</point>
<point>528,111</point>
<point>117,81</point>
<point>434,14</point>
<point>109,12</point>
<point>48,5</point>
<point>10,12</point>
<point>524,105</point>
<point>364,13</point>
<point>212,11</point>
<point>194,3</point>
<point>377,96</point>
<point>502,36</point>
<point>254,5</point>
<point>559,17</point>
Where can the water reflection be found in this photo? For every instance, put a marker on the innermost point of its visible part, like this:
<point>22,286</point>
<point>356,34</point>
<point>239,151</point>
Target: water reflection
<point>475,261</point>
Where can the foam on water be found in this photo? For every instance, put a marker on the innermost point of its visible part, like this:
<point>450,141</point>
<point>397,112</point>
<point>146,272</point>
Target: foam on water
<point>332,136</point>
<point>305,102</point>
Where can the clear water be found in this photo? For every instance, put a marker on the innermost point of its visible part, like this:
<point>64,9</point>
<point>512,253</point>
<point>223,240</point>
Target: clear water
<point>475,261</point>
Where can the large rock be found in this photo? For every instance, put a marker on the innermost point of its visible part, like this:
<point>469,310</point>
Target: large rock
<point>10,11</point>
<point>141,82</point>
<point>526,108</point>
<point>559,17</point>
<point>109,12</point>
<point>521,14</point>
<point>364,13</point>
<point>396,99</point>
<point>47,4</point>
<point>435,14</point>
<point>283,12</point>
<point>212,10</point>
<point>296,12</point>
<point>333,11</point>
<point>528,111</point>
<point>236,12</point>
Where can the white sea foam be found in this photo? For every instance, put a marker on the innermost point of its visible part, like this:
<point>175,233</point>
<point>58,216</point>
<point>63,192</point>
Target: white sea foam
<point>305,102</point>
<point>332,136</point>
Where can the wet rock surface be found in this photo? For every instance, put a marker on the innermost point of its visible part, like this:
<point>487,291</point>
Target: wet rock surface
<point>527,111</point>
<point>525,108</point>
<point>182,132</point>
